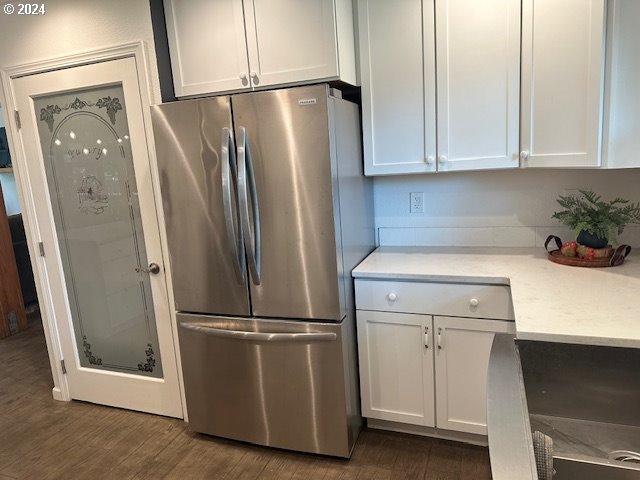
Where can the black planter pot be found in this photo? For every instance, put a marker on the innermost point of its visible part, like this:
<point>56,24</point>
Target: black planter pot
<point>586,238</point>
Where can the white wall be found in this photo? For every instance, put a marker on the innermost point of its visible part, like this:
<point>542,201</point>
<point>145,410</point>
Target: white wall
<point>490,208</point>
<point>74,26</point>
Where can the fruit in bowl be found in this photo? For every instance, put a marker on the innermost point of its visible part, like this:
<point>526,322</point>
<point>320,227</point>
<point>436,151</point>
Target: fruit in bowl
<point>569,249</point>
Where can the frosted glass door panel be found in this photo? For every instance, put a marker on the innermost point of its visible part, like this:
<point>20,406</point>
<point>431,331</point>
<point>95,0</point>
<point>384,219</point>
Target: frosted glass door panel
<point>85,143</point>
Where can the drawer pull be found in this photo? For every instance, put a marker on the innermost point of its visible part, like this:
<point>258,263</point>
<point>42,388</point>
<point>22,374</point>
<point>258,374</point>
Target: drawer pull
<point>392,297</point>
<point>474,302</point>
<point>426,338</point>
<point>439,338</point>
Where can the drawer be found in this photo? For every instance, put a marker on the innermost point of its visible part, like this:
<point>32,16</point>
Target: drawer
<point>451,299</point>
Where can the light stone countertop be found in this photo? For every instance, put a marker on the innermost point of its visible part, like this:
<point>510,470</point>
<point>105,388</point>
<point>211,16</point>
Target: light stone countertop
<point>558,303</point>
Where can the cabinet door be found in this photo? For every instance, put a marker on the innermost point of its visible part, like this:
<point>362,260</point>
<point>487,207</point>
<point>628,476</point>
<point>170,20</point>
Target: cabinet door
<point>397,67</point>
<point>462,353</point>
<point>207,45</point>
<point>478,83</point>
<point>396,367</point>
<point>562,80</point>
<point>291,41</point>
<point>622,118</point>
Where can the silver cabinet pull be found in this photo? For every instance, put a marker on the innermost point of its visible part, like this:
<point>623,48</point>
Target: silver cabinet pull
<point>153,268</point>
<point>439,338</point>
<point>426,338</point>
<point>229,174</point>
<point>262,336</point>
<point>246,188</point>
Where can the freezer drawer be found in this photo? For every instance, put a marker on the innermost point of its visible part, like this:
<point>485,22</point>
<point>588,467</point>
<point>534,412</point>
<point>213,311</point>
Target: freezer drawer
<point>270,382</point>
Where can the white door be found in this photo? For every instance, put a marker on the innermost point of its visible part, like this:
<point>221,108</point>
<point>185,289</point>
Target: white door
<point>207,45</point>
<point>462,353</point>
<point>562,82</point>
<point>396,367</point>
<point>478,83</point>
<point>88,170</point>
<point>397,66</point>
<point>291,40</point>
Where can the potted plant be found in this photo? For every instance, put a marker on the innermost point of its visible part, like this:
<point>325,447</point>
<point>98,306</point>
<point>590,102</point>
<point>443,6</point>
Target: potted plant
<point>595,221</point>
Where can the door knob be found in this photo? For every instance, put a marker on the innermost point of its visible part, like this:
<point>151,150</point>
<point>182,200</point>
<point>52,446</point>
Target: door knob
<point>152,268</point>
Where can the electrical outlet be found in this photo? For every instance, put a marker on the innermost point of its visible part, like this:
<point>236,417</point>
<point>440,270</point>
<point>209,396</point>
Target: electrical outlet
<point>416,202</point>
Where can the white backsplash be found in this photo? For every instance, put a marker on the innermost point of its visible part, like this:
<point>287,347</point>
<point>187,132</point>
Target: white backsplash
<point>491,208</point>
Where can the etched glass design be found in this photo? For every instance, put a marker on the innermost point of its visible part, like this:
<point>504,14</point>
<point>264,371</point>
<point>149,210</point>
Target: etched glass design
<point>85,143</point>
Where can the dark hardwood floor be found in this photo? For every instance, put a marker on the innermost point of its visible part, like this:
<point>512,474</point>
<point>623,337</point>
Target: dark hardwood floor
<point>41,438</point>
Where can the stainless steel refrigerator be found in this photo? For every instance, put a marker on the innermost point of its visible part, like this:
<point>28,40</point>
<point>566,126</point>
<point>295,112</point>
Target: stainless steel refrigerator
<point>267,211</point>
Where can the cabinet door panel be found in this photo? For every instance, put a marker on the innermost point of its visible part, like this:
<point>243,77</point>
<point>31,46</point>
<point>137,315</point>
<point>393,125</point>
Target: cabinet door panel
<point>622,122</point>
<point>462,351</point>
<point>562,80</point>
<point>397,62</point>
<point>291,40</point>
<point>396,367</point>
<point>207,45</point>
<point>478,65</point>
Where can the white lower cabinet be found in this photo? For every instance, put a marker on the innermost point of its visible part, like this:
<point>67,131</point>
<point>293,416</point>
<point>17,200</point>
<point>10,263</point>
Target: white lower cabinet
<point>422,369</point>
<point>462,353</point>
<point>396,367</point>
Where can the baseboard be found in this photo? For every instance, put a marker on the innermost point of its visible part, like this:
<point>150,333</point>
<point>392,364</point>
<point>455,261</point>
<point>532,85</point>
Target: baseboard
<point>463,437</point>
<point>57,394</point>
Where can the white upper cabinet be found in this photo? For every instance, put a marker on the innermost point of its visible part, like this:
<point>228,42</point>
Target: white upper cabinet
<point>397,65</point>
<point>207,44</point>
<point>234,45</point>
<point>622,116</point>
<point>478,83</point>
<point>562,82</point>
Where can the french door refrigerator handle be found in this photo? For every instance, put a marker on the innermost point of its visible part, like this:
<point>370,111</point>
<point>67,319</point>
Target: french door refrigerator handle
<point>251,235</point>
<point>230,175</point>
<point>262,336</point>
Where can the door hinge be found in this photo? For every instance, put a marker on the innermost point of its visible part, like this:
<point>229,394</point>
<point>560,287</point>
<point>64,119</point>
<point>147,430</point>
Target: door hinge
<point>17,116</point>
<point>41,248</point>
<point>64,367</point>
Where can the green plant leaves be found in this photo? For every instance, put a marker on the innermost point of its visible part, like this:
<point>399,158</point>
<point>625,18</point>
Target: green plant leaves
<point>587,211</point>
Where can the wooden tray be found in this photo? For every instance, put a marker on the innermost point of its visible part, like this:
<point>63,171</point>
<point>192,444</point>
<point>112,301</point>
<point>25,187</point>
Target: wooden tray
<point>556,257</point>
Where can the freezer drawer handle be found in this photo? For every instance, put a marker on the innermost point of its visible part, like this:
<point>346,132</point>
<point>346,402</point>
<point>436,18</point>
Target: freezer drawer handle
<point>251,236</point>
<point>262,336</point>
<point>229,174</point>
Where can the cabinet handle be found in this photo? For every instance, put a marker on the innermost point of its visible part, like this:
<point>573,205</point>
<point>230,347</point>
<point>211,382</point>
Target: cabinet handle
<point>524,155</point>
<point>392,297</point>
<point>254,75</point>
<point>243,76</point>
<point>426,338</point>
<point>439,338</point>
<point>474,302</point>
<point>429,160</point>
<point>442,159</point>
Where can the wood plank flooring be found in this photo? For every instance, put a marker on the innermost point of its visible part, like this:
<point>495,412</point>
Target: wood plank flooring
<point>41,438</point>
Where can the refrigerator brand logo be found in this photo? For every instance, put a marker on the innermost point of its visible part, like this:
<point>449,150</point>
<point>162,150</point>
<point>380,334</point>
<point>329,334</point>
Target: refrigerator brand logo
<point>307,101</point>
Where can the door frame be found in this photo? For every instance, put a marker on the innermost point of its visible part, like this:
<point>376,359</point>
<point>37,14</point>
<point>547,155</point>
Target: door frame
<point>137,51</point>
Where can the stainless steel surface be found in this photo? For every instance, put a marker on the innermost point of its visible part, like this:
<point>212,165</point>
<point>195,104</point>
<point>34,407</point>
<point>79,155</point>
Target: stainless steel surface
<point>576,469</point>
<point>229,179</point>
<point>292,159</point>
<point>188,148</point>
<point>510,441</point>
<point>593,383</point>
<point>302,210</point>
<point>250,216</point>
<point>262,336</point>
<point>153,268</point>
<point>283,394</point>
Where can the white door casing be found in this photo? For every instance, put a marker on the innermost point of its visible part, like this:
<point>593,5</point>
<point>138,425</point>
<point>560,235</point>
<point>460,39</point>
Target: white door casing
<point>155,395</point>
